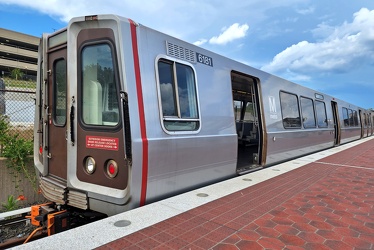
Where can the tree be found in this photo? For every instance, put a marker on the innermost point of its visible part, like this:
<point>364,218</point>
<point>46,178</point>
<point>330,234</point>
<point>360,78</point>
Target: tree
<point>16,73</point>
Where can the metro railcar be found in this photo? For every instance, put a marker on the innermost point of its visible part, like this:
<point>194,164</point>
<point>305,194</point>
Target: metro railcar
<point>126,115</point>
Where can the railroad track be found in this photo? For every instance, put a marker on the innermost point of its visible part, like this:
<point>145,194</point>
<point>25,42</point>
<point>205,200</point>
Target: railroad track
<point>15,228</point>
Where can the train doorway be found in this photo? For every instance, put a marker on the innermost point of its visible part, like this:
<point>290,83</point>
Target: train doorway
<point>56,111</point>
<point>335,113</point>
<point>367,124</point>
<point>363,123</point>
<point>248,122</point>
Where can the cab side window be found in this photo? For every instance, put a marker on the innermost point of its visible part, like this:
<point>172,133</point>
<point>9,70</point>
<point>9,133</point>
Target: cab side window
<point>59,92</point>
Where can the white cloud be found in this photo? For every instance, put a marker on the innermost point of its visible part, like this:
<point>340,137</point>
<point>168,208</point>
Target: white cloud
<point>183,19</point>
<point>234,32</point>
<point>306,11</point>
<point>291,20</point>
<point>230,34</point>
<point>297,77</point>
<point>342,49</point>
<point>200,42</point>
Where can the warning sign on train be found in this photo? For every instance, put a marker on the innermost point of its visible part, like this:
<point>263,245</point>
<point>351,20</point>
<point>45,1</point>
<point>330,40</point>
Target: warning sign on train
<point>100,142</point>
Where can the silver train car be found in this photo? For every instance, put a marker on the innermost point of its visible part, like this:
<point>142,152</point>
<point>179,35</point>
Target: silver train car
<point>127,115</point>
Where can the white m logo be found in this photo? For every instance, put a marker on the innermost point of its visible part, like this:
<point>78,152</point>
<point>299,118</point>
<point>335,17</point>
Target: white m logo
<point>273,108</point>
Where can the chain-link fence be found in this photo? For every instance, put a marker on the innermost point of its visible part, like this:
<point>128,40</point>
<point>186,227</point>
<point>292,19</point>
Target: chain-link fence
<point>17,103</point>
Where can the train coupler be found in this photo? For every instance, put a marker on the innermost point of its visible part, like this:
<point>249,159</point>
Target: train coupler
<point>50,218</point>
<point>39,212</point>
<point>58,222</point>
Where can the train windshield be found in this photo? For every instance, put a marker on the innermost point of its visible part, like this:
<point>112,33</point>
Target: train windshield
<point>99,95</point>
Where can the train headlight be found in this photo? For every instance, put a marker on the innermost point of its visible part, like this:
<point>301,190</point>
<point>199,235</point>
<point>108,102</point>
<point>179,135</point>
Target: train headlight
<point>90,165</point>
<point>111,168</point>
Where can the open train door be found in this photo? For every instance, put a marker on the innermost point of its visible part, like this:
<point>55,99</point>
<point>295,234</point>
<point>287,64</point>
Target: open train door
<point>367,123</point>
<point>363,122</point>
<point>335,113</point>
<point>371,120</point>
<point>249,123</point>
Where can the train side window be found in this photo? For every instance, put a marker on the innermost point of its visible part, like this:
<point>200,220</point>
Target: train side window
<point>307,110</point>
<point>238,107</point>
<point>350,115</point>
<point>178,94</point>
<point>321,114</point>
<point>99,93</point>
<point>345,117</point>
<point>355,118</point>
<point>290,110</point>
<point>59,92</point>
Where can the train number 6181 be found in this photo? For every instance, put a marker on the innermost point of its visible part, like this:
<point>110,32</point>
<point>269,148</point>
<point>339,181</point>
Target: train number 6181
<point>204,59</point>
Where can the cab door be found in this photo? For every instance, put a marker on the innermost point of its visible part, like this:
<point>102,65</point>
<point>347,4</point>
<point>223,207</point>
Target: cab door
<point>99,133</point>
<point>56,111</point>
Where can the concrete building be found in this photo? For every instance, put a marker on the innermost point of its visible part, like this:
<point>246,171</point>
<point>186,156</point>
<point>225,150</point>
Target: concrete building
<point>18,50</point>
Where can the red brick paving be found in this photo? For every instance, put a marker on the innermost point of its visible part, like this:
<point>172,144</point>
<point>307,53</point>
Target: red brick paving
<point>322,205</point>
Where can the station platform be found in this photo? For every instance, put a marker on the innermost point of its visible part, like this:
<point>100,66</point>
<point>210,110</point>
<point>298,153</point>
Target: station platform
<point>320,201</point>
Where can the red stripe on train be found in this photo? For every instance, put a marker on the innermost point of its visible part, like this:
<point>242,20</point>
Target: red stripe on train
<point>143,131</point>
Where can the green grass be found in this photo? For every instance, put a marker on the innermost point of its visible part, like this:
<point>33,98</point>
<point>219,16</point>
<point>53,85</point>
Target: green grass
<point>9,82</point>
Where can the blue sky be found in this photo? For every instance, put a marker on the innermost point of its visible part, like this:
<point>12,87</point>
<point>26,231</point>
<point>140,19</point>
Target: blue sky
<point>324,45</point>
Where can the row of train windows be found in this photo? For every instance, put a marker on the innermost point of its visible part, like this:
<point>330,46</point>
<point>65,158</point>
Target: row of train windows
<point>313,113</point>
<point>350,117</point>
<point>367,120</point>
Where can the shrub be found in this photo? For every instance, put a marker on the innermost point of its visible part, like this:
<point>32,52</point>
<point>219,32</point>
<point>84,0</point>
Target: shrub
<point>16,150</point>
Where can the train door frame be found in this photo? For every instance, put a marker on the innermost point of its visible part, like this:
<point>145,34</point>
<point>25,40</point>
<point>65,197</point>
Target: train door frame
<point>337,128</point>
<point>362,121</point>
<point>251,153</point>
<point>56,130</point>
<point>372,123</point>
<point>368,125</point>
